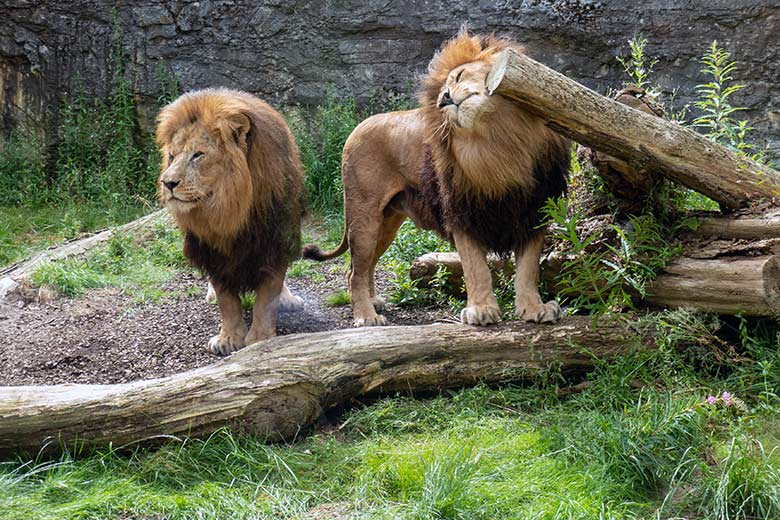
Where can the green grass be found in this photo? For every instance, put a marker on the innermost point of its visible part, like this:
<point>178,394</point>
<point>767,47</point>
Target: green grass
<point>337,299</point>
<point>137,265</point>
<point>25,230</point>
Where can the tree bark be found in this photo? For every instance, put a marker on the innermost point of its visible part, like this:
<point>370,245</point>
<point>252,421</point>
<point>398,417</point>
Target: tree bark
<point>645,142</point>
<point>280,386</point>
<point>630,187</point>
<point>748,226</point>
<point>728,285</point>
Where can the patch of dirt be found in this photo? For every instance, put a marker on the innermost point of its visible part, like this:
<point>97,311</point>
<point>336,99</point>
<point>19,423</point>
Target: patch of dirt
<point>106,336</point>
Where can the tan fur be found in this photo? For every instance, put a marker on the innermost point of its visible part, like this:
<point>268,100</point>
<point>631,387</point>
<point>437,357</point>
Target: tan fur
<point>248,165</point>
<point>480,144</point>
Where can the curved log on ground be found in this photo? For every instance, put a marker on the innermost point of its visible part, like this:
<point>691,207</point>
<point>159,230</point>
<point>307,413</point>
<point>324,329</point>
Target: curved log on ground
<point>645,142</point>
<point>12,275</point>
<point>280,386</point>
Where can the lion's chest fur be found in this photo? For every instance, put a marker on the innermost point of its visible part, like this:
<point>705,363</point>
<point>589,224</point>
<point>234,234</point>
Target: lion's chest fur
<point>263,247</point>
<point>502,221</point>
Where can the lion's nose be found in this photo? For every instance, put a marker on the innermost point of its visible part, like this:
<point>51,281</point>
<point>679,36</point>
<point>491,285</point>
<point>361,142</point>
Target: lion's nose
<point>171,184</point>
<point>446,100</point>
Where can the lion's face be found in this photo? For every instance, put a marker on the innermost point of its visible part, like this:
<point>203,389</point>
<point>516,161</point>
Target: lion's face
<point>192,169</point>
<point>464,98</point>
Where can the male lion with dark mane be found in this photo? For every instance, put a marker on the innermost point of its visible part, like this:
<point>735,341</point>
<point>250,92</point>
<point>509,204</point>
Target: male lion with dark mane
<point>232,180</point>
<point>474,167</point>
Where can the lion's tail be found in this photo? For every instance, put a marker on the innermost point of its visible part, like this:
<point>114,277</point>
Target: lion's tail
<point>313,251</point>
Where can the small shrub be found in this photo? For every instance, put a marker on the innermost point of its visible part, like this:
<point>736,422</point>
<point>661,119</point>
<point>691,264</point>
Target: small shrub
<point>604,279</point>
<point>22,169</point>
<point>338,299</point>
<point>717,119</point>
<point>638,66</point>
<point>321,136</point>
<point>138,268</point>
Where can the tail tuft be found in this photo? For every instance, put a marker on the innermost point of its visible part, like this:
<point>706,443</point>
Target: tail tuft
<point>313,252</point>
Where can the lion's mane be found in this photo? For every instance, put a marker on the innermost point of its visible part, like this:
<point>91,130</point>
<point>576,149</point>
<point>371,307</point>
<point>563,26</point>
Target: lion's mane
<point>250,226</point>
<point>497,204</point>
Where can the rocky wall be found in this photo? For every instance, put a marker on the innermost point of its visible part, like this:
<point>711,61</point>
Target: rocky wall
<point>292,52</point>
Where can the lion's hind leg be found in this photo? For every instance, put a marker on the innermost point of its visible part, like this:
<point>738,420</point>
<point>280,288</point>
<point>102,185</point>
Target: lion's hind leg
<point>363,241</point>
<point>528,303</point>
<point>392,221</point>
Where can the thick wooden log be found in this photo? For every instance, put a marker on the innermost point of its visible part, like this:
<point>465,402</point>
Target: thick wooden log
<point>727,285</point>
<point>645,142</point>
<point>748,226</point>
<point>280,386</point>
<point>630,187</point>
<point>724,284</point>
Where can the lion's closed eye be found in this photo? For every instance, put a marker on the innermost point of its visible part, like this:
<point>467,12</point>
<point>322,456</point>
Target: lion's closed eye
<point>196,155</point>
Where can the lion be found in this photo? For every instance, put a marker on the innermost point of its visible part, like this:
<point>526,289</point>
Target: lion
<point>472,166</point>
<point>233,182</point>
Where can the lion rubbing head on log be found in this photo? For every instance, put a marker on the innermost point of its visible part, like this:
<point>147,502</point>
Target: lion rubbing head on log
<point>232,181</point>
<point>474,167</point>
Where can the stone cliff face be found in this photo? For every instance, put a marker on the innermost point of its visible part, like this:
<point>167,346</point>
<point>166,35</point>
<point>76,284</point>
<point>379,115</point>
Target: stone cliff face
<point>292,51</point>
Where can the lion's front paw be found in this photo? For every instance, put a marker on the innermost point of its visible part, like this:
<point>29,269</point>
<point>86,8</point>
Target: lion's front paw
<point>549,312</point>
<point>223,345</point>
<point>480,315</point>
<point>371,321</point>
<point>379,303</point>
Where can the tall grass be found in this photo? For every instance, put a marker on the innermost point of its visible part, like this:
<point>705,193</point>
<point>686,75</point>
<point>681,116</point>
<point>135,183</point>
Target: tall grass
<point>321,134</point>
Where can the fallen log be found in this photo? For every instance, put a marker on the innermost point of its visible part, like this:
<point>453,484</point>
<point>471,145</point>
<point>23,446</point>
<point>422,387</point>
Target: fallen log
<point>645,142</point>
<point>280,386</point>
<point>630,187</point>
<point>748,226</point>
<point>725,284</point>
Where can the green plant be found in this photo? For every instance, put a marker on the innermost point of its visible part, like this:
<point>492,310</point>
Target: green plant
<point>337,299</point>
<point>637,65</point>
<point>410,243</point>
<point>744,485</point>
<point>598,277</point>
<point>22,169</point>
<point>321,136</point>
<point>715,102</point>
<point>135,267</point>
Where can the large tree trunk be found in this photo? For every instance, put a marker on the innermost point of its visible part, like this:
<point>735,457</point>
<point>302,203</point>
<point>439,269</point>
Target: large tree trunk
<point>631,188</point>
<point>645,142</point>
<point>280,386</point>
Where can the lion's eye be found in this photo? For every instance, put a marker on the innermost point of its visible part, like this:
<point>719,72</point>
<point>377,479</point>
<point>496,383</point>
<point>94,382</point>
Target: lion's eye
<point>196,155</point>
<point>457,78</point>
<point>170,157</point>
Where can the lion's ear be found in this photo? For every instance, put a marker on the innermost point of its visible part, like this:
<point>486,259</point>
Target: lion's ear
<point>237,127</point>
